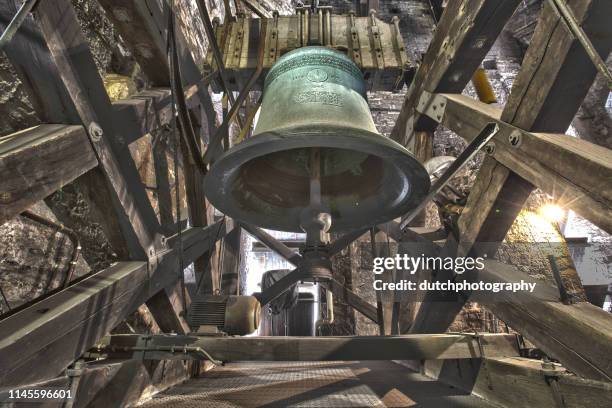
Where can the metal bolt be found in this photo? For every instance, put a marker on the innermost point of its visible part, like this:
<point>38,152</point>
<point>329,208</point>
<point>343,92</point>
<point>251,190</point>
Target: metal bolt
<point>515,139</point>
<point>95,132</point>
<point>490,148</point>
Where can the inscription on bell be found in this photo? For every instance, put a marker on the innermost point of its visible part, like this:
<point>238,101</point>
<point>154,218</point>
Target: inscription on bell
<point>323,97</point>
<point>317,75</point>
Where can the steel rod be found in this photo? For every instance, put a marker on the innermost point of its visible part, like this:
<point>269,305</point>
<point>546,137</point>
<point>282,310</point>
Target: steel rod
<point>489,131</point>
<point>568,16</point>
<point>16,22</point>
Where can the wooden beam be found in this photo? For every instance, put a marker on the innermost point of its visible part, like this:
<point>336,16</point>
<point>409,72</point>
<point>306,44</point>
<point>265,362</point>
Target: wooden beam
<point>38,161</point>
<point>70,52</point>
<point>347,348</point>
<point>354,301</point>
<point>578,174</point>
<point>518,381</point>
<point>167,309</point>
<point>58,329</point>
<point>556,73</point>
<point>29,56</point>
<point>578,335</point>
<point>230,263</point>
<point>554,78</point>
<point>464,35</point>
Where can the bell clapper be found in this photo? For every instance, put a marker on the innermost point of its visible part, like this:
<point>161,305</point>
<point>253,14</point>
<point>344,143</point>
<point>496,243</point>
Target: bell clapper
<point>315,221</point>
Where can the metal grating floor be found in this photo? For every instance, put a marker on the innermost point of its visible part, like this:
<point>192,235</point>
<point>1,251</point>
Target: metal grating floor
<point>316,384</point>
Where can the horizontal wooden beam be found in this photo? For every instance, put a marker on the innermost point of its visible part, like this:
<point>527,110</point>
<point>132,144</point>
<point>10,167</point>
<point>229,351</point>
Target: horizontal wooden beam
<point>38,161</point>
<point>518,381</point>
<point>147,111</point>
<point>58,329</point>
<point>348,348</point>
<point>578,174</point>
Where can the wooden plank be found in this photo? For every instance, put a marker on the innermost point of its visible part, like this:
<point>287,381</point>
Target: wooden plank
<point>61,327</point>
<point>578,174</point>
<point>38,161</point>
<point>148,111</point>
<point>325,348</point>
<point>464,35</point>
<point>70,52</point>
<point>556,73</point>
<point>518,381</point>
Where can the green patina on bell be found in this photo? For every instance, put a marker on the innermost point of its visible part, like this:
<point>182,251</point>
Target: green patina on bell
<point>315,98</point>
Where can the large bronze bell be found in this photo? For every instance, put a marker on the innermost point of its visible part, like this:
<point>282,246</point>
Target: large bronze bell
<point>314,107</point>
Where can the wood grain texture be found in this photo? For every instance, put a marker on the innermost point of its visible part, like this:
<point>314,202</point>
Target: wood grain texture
<point>463,37</point>
<point>518,381</point>
<point>577,173</point>
<point>70,52</point>
<point>38,161</point>
<point>556,73</point>
<point>60,328</point>
<point>327,348</point>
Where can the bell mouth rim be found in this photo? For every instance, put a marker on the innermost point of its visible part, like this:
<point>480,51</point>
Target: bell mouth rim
<point>218,179</point>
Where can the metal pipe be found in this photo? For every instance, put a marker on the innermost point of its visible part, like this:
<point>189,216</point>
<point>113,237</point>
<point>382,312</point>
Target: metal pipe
<point>16,22</point>
<point>568,16</point>
<point>490,130</point>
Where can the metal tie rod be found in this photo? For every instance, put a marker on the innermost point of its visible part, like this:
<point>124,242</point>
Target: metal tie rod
<point>490,130</point>
<point>16,22</point>
<point>566,15</point>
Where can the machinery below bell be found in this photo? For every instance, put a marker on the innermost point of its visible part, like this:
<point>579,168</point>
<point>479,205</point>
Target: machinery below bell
<point>233,315</point>
<point>316,152</point>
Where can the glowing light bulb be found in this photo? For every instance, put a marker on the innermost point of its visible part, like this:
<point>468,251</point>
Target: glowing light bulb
<point>552,212</point>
